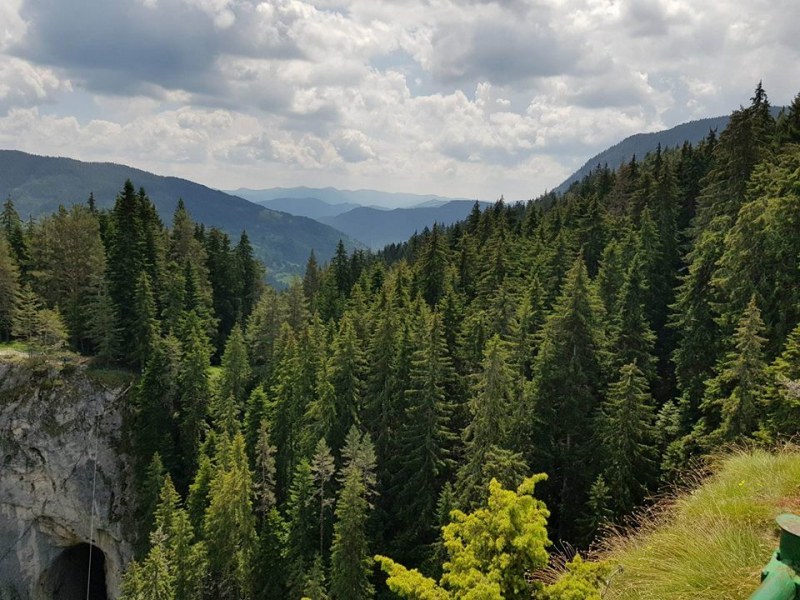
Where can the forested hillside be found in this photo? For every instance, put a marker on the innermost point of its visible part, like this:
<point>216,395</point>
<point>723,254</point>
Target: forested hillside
<point>399,403</point>
<point>644,143</point>
<point>39,184</point>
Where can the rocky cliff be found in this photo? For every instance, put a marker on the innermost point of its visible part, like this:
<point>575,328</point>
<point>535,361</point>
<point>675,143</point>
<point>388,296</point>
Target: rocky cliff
<point>60,445</point>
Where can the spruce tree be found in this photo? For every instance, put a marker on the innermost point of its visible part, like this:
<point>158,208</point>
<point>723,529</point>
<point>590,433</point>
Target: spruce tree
<point>302,529</point>
<point>229,524</point>
<point>733,397</point>
<point>491,409</point>
<point>144,326</point>
<point>14,234</point>
<point>193,393</point>
<point>632,339</point>
<point>347,374</point>
<point>782,397</point>
<point>566,390</point>
<point>235,378</point>
<point>426,439</point>
<point>351,562</point>
<point>322,467</point>
<point>156,399</point>
<point>25,316</point>
<point>627,441</point>
<point>9,286</point>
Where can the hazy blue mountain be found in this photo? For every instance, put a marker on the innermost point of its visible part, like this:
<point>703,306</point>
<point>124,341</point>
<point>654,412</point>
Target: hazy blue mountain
<point>331,195</point>
<point>376,228</point>
<point>313,208</point>
<point>38,184</point>
<point>642,143</point>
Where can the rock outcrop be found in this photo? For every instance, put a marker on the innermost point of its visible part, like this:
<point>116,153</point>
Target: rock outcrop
<point>60,430</point>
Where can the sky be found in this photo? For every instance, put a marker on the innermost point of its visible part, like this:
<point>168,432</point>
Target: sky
<point>467,98</point>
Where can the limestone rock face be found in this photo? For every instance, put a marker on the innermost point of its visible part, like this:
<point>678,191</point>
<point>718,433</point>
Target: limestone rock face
<point>60,440</point>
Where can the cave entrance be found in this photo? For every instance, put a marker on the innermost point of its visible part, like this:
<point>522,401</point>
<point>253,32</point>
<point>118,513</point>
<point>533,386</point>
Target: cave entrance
<point>68,576</point>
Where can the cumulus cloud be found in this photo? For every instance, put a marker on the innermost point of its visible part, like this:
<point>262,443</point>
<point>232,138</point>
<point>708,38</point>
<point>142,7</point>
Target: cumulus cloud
<point>462,97</point>
<point>23,84</point>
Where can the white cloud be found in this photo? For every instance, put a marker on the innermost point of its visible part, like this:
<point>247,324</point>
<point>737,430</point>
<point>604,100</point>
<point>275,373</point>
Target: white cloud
<point>24,85</point>
<point>470,98</point>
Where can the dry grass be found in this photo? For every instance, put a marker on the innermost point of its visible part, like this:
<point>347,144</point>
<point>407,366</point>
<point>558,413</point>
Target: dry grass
<point>709,540</point>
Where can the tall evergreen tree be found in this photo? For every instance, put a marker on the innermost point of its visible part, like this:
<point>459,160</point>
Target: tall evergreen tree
<point>9,286</point>
<point>491,409</point>
<point>426,439</point>
<point>567,386</point>
<point>734,395</point>
<point>229,524</point>
<point>626,436</point>
<point>351,562</point>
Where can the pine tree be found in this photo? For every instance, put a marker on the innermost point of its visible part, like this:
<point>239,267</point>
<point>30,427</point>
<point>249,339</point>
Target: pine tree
<point>197,500</point>
<point>229,524</point>
<point>347,373</point>
<point>302,532</point>
<point>762,250</point>
<point>25,316</point>
<point>741,146</point>
<point>312,281</point>
<point>425,437</point>
<point>598,513</point>
<point>265,471</point>
<point>14,234</point>
<point>156,396</point>
<point>144,325</point>
<point>67,258</point>
<point>155,579</point>
<point>315,582</point>
<point>322,467</point>
<point>783,400</point>
<point>235,378</point>
<point>491,410</point>
<point>193,393</point>
<point>102,324</point>
<point>632,339</point>
<point>567,383</point>
<point>9,286</point>
<point>431,267</point>
<point>734,395</point>
<point>626,435</point>
<point>290,404</point>
<point>250,273</point>
<point>351,563</point>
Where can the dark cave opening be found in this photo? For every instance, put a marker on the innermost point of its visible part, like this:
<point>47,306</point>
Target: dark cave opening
<point>69,574</point>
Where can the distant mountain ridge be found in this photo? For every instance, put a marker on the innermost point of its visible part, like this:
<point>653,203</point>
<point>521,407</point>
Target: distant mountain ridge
<point>641,143</point>
<point>331,195</point>
<point>377,228</point>
<point>313,208</point>
<point>38,184</point>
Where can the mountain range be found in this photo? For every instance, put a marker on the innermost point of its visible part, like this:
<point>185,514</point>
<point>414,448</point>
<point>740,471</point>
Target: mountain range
<point>376,228</point>
<point>285,224</point>
<point>330,195</point>
<point>39,184</point>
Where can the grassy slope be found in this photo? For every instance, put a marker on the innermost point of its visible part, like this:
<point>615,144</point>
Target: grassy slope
<point>710,542</point>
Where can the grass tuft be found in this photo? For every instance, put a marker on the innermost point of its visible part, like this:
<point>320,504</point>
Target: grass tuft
<point>709,541</point>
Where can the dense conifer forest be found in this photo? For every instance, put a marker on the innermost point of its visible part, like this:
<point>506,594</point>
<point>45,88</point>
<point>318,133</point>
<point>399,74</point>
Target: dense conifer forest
<point>399,404</point>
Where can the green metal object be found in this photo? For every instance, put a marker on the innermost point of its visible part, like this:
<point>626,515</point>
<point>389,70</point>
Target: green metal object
<point>780,579</point>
